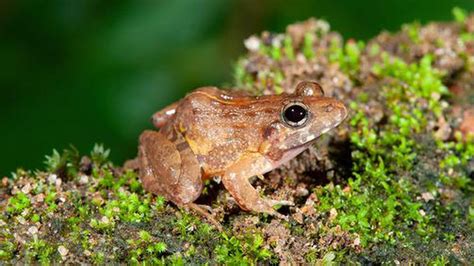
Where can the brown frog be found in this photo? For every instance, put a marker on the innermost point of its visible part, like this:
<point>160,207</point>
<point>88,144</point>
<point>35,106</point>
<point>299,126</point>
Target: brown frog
<point>215,133</point>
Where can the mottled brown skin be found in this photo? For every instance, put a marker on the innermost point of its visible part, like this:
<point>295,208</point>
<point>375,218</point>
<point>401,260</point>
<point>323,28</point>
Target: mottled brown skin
<point>215,133</point>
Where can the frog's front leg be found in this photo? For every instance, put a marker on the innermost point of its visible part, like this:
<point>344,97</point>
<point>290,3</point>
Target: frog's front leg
<point>236,181</point>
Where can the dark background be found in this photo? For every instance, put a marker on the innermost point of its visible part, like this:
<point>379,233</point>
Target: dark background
<point>85,71</point>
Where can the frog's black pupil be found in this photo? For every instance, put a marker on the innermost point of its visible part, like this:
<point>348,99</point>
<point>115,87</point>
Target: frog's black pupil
<point>295,113</point>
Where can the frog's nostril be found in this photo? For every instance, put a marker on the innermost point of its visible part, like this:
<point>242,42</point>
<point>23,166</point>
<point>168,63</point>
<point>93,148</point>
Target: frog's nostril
<point>329,108</point>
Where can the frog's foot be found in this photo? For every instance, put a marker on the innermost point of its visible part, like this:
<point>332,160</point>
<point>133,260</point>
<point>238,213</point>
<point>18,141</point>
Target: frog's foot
<point>206,212</point>
<point>268,206</point>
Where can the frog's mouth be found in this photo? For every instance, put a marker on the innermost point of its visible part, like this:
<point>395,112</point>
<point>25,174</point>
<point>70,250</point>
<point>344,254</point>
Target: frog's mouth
<point>291,153</point>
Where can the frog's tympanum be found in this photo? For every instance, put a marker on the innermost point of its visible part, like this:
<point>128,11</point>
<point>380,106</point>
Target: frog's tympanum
<point>214,133</point>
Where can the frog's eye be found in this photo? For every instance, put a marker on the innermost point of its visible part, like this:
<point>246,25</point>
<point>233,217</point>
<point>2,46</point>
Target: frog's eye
<point>295,114</point>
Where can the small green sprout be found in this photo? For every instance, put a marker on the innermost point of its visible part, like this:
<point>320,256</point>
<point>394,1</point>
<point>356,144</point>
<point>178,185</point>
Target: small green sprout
<point>18,203</point>
<point>39,249</point>
<point>308,49</point>
<point>145,249</point>
<point>35,218</point>
<point>99,154</point>
<point>65,164</point>
<point>53,162</point>
<point>242,252</point>
<point>347,57</point>
<point>242,79</point>
<point>459,14</point>
<point>144,236</point>
<point>128,207</point>
<point>104,224</point>
<point>413,31</point>
<point>288,47</point>
<point>275,50</point>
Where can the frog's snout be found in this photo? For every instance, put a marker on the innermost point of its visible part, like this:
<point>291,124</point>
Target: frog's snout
<point>338,108</point>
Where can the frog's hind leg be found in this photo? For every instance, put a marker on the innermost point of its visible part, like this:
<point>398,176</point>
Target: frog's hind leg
<point>169,168</point>
<point>162,117</point>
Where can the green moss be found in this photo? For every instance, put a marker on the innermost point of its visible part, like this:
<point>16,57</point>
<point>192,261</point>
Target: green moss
<point>50,201</point>
<point>99,154</point>
<point>146,249</point>
<point>308,49</point>
<point>458,154</point>
<point>439,261</point>
<point>35,218</point>
<point>248,251</point>
<point>128,207</point>
<point>413,31</point>
<point>65,164</point>
<point>7,247</point>
<point>98,258</point>
<point>275,50</point>
<point>242,79</point>
<point>40,250</point>
<point>380,202</point>
<point>288,48</point>
<point>347,55</point>
<point>459,14</point>
<point>18,203</point>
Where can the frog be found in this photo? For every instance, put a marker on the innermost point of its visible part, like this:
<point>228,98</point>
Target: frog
<point>233,136</point>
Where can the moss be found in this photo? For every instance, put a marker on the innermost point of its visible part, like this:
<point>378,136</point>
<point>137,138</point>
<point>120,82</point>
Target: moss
<point>39,250</point>
<point>18,203</point>
<point>381,202</point>
<point>459,14</point>
<point>146,249</point>
<point>248,251</point>
<point>347,56</point>
<point>65,165</point>
<point>308,50</point>
<point>288,48</point>
<point>458,154</point>
<point>413,30</point>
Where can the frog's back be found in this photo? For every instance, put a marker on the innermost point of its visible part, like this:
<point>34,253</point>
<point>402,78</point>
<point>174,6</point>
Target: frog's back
<point>220,126</point>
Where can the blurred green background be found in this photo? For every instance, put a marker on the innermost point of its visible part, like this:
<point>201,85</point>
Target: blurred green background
<point>85,71</point>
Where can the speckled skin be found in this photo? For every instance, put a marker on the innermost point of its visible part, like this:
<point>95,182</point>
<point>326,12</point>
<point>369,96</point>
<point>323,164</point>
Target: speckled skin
<point>212,132</point>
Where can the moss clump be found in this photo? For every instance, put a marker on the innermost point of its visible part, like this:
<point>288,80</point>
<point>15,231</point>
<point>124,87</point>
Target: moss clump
<point>380,202</point>
<point>392,185</point>
<point>346,56</point>
<point>410,166</point>
<point>18,203</point>
<point>105,216</point>
<point>237,251</point>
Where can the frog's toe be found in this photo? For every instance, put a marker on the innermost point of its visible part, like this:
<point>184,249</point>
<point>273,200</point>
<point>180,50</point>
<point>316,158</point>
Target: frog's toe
<point>205,207</point>
<point>281,202</point>
<point>206,212</point>
<point>271,211</point>
<point>280,216</point>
